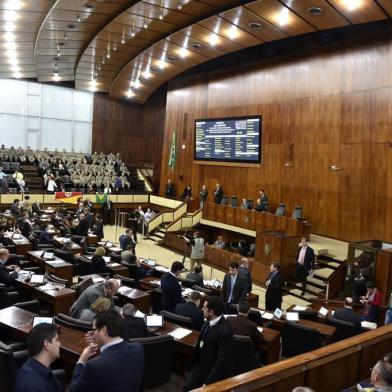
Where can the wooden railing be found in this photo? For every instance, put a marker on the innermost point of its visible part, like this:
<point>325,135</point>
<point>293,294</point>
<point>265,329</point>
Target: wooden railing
<point>335,282</point>
<point>330,368</point>
<point>187,221</point>
<point>141,176</point>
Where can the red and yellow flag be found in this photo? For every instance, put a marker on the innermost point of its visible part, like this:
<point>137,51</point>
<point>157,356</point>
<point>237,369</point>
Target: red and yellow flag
<point>68,197</point>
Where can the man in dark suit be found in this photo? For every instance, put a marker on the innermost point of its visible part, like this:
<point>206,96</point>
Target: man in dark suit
<point>119,366</point>
<point>347,314</point>
<point>15,208</point>
<point>98,229</point>
<point>133,327</point>
<point>6,276</point>
<point>218,194</point>
<point>25,225</point>
<point>304,263</point>
<point>107,289</point>
<point>241,325</point>
<point>212,360</point>
<point>264,199</point>
<point>170,288</point>
<point>191,309</point>
<point>274,284</point>
<point>44,348</point>
<point>245,273</point>
<point>83,226</point>
<point>169,190</point>
<point>234,286</point>
<point>359,288</point>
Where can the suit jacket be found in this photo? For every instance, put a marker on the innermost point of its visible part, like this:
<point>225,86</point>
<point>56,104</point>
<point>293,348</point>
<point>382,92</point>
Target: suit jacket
<point>189,309</point>
<point>348,315</point>
<point>87,298</point>
<point>273,293</point>
<point>118,368</point>
<point>241,325</point>
<point>24,227</point>
<point>134,327</point>
<point>169,190</point>
<point>218,195</point>
<point>203,195</point>
<point>99,265</point>
<point>82,227</point>
<point>98,231</point>
<point>214,356</point>
<point>245,273</point>
<point>359,288</point>
<point>5,276</point>
<point>309,258</point>
<point>239,289</point>
<point>170,292</point>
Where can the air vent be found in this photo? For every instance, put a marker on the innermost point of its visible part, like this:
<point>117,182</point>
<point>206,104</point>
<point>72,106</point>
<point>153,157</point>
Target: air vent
<point>255,26</point>
<point>56,58</point>
<point>315,11</point>
<point>71,26</point>
<point>61,44</point>
<point>196,45</point>
<point>172,58</point>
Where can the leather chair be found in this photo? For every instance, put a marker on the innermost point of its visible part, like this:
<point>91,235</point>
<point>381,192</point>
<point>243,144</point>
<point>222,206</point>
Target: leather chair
<point>255,316</point>
<point>133,269</point>
<point>344,329</point>
<point>244,358</point>
<point>177,319</point>
<point>83,285</point>
<point>297,213</point>
<point>308,315</point>
<point>202,289</point>
<point>234,201</point>
<point>188,283</point>
<point>115,257</point>
<point>32,306</point>
<point>298,339</point>
<point>55,279</point>
<point>85,266</point>
<point>129,282</point>
<point>281,209</point>
<point>9,361</point>
<point>156,370</point>
<point>68,321</point>
<point>155,298</point>
<point>224,200</point>
<point>62,254</point>
<point>77,239</point>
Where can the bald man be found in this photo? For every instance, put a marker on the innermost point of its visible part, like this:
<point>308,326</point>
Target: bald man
<point>7,273</point>
<point>106,289</point>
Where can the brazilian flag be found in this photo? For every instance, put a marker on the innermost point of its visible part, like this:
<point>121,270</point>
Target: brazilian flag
<point>101,198</point>
<point>172,156</point>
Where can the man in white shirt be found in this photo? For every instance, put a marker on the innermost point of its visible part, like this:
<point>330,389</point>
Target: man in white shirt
<point>304,263</point>
<point>52,186</point>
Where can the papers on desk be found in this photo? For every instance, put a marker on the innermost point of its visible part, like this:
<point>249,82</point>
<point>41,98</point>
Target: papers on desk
<point>114,265</point>
<point>260,329</point>
<point>37,278</point>
<point>186,292</point>
<point>55,261</point>
<point>161,268</point>
<point>156,282</point>
<point>258,310</point>
<point>97,280</point>
<point>123,289</point>
<point>115,249</point>
<point>213,283</point>
<point>368,325</point>
<point>139,314</point>
<point>292,316</point>
<point>107,259</point>
<point>180,333</point>
<point>299,308</point>
<point>267,316</point>
<point>52,286</point>
<point>323,311</point>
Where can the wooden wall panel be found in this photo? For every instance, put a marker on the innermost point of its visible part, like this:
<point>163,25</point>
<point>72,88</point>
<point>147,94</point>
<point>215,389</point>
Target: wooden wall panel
<point>333,104</point>
<point>133,130</point>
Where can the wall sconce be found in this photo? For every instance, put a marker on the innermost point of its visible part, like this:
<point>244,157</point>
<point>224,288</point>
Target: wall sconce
<point>183,146</point>
<point>334,167</point>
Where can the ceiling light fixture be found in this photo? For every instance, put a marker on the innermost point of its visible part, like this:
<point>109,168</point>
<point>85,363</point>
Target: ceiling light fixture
<point>10,15</point>
<point>213,39</point>
<point>78,18</point>
<point>130,93</point>
<point>351,5</point>
<point>232,33</point>
<point>255,25</point>
<point>65,36</point>
<point>196,45</point>
<point>13,5</point>
<point>17,75</point>
<point>283,17</point>
<point>183,53</point>
<point>179,5</point>
<point>145,23</point>
<point>56,77</point>
<point>108,55</point>
<point>123,39</point>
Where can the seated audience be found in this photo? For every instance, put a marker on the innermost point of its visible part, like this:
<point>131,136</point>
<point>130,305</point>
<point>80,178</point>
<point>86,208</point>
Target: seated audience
<point>259,206</point>
<point>245,273</point>
<point>24,224</point>
<point>98,262</point>
<point>171,288</point>
<point>44,237</point>
<point>219,243</point>
<point>381,376</point>
<point>4,241</point>
<point>82,227</point>
<point>8,273</point>
<point>243,248</point>
<point>15,208</point>
<point>130,258</point>
<point>106,289</point>
<point>347,314</point>
<point>19,179</point>
<point>244,204</point>
<point>101,304</point>
<point>371,301</point>
<point>133,327</point>
<point>191,309</point>
<point>119,366</point>
<point>44,348</point>
<point>241,325</point>
<point>196,275</point>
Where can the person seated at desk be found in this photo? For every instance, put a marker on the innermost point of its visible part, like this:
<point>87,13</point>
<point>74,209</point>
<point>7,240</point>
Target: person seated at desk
<point>241,325</point>
<point>244,204</point>
<point>381,376</point>
<point>371,301</point>
<point>128,256</point>
<point>219,243</point>
<point>44,237</point>
<point>171,288</point>
<point>244,271</point>
<point>24,224</point>
<point>196,275</point>
<point>82,227</point>
<point>6,276</point>
<point>4,241</point>
<point>44,348</point>
<point>67,247</point>
<point>119,366</point>
<point>347,314</point>
<point>259,206</point>
<point>36,208</point>
<point>126,240</point>
<point>15,208</point>
<point>234,286</point>
<point>98,262</point>
<point>191,309</point>
<point>133,327</point>
<point>243,248</point>
<point>101,304</point>
<point>187,194</point>
<point>98,227</point>
<point>106,289</point>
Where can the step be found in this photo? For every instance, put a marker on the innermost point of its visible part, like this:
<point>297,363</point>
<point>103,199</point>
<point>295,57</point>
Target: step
<point>154,238</point>
<point>316,282</point>
<point>313,289</point>
<point>323,273</point>
<point>159,234</point>
<point>298,292</point>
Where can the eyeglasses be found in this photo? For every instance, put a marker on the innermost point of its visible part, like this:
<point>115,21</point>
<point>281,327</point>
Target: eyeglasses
<point>94,329</point>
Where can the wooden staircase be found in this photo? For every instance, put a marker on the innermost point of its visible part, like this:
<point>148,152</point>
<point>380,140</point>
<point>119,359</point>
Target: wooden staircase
<point>34,183</point>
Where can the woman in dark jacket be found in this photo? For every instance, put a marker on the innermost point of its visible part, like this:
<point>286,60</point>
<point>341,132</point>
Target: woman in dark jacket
<point>98,262</point>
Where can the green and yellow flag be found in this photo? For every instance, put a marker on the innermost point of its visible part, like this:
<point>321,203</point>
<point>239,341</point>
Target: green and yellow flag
<point>172,156</point>
<point>101,198</point>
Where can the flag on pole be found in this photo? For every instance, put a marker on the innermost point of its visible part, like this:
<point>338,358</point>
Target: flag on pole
<point>172,156</point>
<point>101,198</point>
<point>68,197</point>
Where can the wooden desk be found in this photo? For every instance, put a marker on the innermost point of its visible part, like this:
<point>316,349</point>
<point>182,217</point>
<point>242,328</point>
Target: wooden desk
<point>59,242</point>
<point>114,248</point>
<point>61,300</point>
<point>22,245</point>
<point>141,299</point>
<point>92,240</point>
<point>58,267</point>
<point>115,267</point>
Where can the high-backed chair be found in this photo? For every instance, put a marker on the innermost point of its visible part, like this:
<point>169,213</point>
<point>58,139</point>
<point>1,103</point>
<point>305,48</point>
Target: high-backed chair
<point>244,358</point>
<point>115,257</point>
<point>234,201</point>
<point>344,329</point>
<point>281,209</point>
<point>62,254</point>
<point>156,370</point>
<point>188,283</point>
<point>224,200</point>
<point>55,279</point>
<point>68,321</point>
<point>297,213</point>
<point>177,319</point>
<point>250,204</point>
<point>85,266</point>
<point>32,306</point>
<point>83,285</point>
<point>8,366</point>
<point>202,289</point>
<point>134,271</point>
<point>129,282</point>
<point>155,298</point>
<point>308,315</point>
<point>298,339</point>
<point>77,239</point>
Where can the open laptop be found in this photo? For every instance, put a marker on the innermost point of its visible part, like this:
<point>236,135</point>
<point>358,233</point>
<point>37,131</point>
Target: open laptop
<point>39,320</point>
<point>154,321</point>
<point>151,262</point>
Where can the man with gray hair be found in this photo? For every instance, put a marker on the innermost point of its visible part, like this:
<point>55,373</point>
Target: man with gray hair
<point>133,327</point>
<point>381,376</point>
<point>106,289</point>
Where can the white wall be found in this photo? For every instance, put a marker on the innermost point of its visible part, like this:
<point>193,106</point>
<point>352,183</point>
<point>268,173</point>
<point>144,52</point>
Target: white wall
<point>39,116</point>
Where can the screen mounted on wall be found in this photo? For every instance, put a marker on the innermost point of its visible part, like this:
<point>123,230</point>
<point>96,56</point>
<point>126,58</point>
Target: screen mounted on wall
<point>234,139</point>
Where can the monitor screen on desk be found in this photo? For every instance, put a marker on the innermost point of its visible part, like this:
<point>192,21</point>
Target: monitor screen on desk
<point>151,262</point>
<point>39,320</point>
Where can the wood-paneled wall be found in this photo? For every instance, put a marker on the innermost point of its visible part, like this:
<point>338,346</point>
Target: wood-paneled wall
<point>135,131</point>
<point>334,104</point>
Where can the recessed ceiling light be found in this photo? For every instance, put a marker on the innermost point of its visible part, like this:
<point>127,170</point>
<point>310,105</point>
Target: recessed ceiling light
<point>160,16</point>
<point>56,77</point>
<point>351,5</point>
<point>196,45</point>
<point>130,93</point>
<point>17,75</point>
<point>89,5</point>
<point>315,11</point>
<point>71,26</point>
<point>65,36</point>
<point>78,18</point>
<point>179,5</point>
<point>108,55</point>
<point>213,39</point>
<point>183,53</point>
<point>255,25</point>
<point>153,68</point>
<point>283,17</point>
<point>9,26</point>
<point>123,40</point>
<point>61,44</point>
<point>171,57</point>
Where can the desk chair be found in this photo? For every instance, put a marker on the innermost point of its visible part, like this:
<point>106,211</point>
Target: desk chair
<point>297,339</point>
<point>344,329</point>
<point>308,315</point>
<point>281,209</point>
<point>83,285</point>
<point>55,279</point>
<point>62,254</point>
<point>85,266</point>
<point>177,319</point>
<point>158,359</point>
<point>225,200</point>
<point>234,201</point>
<point>115,257</point>
<point>129,282</point>
<point>244,358</point>
<point>68,321</point>
<point>202,289</point>
<point>188,283</point>
<point>32,306</point>
<point>297,213</point>
<point>134,271</point>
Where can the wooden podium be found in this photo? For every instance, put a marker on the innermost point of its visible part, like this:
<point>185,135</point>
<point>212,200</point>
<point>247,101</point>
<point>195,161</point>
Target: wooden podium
<point>275,246</point>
